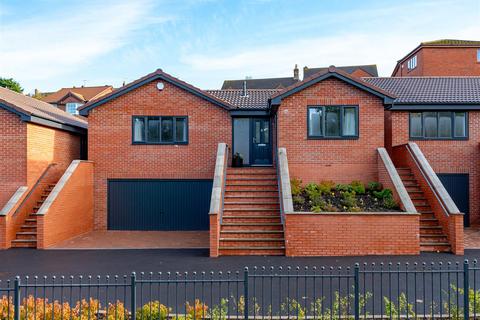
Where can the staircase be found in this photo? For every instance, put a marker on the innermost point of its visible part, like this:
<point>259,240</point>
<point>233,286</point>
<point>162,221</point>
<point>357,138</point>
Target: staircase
<point>432,237</point>
<point>26,237</point>
<point>251,223</point>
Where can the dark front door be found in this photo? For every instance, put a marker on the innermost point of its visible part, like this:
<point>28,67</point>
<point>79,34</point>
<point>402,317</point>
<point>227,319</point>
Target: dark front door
<point>150,204</point>
<point>261,147</point>
<point>457,186</point>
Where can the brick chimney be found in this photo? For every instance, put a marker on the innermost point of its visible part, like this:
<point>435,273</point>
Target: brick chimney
<point>296,75</point>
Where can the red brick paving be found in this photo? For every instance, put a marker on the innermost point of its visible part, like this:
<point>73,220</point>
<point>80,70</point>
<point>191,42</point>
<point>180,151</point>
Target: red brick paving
<point>472,237</point>
<point>138,240</point>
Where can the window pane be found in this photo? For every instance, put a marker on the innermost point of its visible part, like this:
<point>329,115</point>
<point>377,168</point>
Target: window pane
<point>430,123</point>
<point>478,55</point>
<point>181,130</point>
<point>460,124</point>
<point>139,130</point>
<point>445,124</point>
<point>265,132</point>
<point>256,137</point>
<point>167,129</point>
<point>349,121</point>
<point>416,124</point>
<point>153,129</point>
<point>332,121</point>
<point>315,122</point>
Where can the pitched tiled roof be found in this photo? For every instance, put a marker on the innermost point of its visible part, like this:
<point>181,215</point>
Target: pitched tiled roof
<point>255,98</point>
<point>83,93</point>
<point>451,42</point>
<point>29,106</point>
<point>371,69</point>
<point>157,74</point>
<point>268,83</point>
<point>431,90</point>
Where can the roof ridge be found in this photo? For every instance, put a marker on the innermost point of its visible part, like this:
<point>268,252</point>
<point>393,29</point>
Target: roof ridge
<point>425,77</point>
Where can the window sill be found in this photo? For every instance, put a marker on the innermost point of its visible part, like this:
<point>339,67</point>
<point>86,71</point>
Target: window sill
<point>333,138</point>
<point>438,139</point>
<point>159,143</point>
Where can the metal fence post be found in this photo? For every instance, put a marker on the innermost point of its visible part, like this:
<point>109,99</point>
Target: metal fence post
<point>16,299</point>
<point>245,293</point>
<point>466,289</point>
<point>356,284</point>
<point>133,295</point>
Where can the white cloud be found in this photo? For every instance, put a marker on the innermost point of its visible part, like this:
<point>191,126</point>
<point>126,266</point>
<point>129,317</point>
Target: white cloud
<point>64,41</point>
<point>385,38</point>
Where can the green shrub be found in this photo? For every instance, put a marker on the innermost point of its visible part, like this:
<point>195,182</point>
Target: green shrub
<point>153,310</point>
<point>299,200</point>
<point>385,193</point>
<point>374,186</point>
<point>349,199</point>
<point>358,187</point>
<point>326,186</point>
<point>390,203</point>
<point>344,187</point>
<point>317,200</point>
<point>312,190</point>
<point>316,209</point>
<point>329,207</point>
<point>296,186</point>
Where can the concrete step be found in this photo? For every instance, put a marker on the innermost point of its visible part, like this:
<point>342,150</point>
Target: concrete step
<point>256,206</point>
<point>250,193</point>
<point>263,243</point>
<point>252,176</point>
<point>251,187</point>
<point>426,238</point>
<point>30,221</point>
<point>251,219</point>
<point>241,234</point>
<point>28,228</point>
<point>248,226</point>
<point>26,235</point>
<point>428,222</point>
<point>252,251</point>
<point>20,243</point>
<point>252,170</point>
<point>435,247</point>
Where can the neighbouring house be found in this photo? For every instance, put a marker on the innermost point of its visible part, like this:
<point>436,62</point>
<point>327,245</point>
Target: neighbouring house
<point>267,83</point>
<point>446,57</point>
<point>70,99</point>
<point>369,70</point>
<point>441,115</point>
<point>169,156</point>
<point>38,143</point>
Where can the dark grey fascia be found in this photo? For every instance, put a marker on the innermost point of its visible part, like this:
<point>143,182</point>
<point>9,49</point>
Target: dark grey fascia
<point>249,113</point>
<point>421,107</point>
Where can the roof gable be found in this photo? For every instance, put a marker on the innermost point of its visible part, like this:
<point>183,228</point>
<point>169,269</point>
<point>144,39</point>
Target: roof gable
<point>370,69</point>
<point>87,93</point>
<point>335,73</point>
<point>156,75</point>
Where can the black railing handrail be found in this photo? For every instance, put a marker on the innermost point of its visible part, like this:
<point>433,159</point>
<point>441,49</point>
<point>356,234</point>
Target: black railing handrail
<point>34,187</point>
<point>427,179</point>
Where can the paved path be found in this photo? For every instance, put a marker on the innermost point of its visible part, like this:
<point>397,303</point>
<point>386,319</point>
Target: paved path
<point>101,262</point>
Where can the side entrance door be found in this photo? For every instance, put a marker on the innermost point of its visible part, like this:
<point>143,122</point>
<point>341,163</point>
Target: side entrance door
<point>261,147</point>
<point>457,186</point>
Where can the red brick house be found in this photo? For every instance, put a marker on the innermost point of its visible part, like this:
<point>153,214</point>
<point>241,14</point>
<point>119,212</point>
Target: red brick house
<point>163,149</point>
<point>70,99</point>
<point>38,143</point>
<point>445,57</point>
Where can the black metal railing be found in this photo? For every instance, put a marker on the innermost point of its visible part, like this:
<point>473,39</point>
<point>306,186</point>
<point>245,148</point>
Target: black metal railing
<point>374,291</point>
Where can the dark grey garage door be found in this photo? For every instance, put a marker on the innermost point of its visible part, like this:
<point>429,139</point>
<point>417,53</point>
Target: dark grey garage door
<point>458,187</point>
<point>158,204</point>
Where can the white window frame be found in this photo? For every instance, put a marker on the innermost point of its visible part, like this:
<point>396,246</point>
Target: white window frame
<point>71,105</point>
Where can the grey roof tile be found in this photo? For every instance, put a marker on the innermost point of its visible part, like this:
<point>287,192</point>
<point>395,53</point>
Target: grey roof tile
<point>431,90</point>
<point>255,98</point>
<point>268,83</point>
<point>370,69</point>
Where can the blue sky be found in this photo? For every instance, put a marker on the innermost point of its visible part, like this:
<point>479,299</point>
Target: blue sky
<point>49,44</point>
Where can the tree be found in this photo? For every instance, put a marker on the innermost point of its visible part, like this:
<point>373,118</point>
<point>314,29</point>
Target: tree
<point>11,84</point>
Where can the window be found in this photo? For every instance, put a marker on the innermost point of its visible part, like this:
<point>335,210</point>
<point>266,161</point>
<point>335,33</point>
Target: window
<point>326,122</point>
<point>478,55</point>
<point>71,107</point>
<point>160,130</point>
<point>438,125</point>
<point>412,63</point>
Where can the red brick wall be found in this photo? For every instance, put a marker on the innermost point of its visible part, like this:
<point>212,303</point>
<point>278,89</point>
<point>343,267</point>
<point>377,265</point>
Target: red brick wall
<point>345,234</point>
<point>448,156</point>
<point>214,235</point>
<point>47,145</point>
<point>110,140</point>
<point>418,71</point>
<point>444,62</point>
<point>337,160</point>
<point>13,156</point>
<point>71,213</point>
